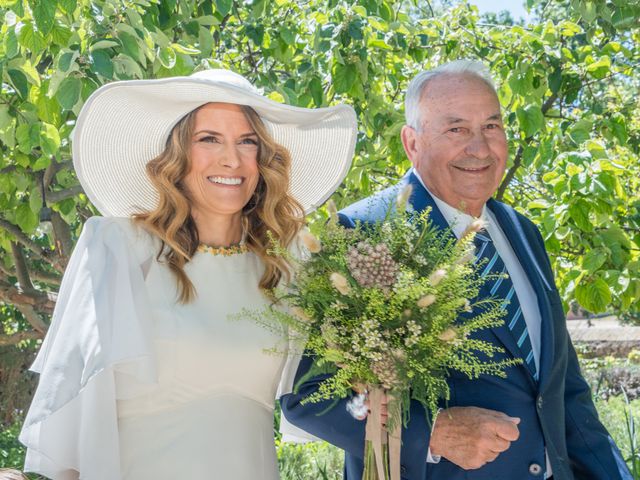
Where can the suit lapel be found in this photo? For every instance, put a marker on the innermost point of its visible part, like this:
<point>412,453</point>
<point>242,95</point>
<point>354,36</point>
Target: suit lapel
<point>513,231</point>
<point>421,199</point>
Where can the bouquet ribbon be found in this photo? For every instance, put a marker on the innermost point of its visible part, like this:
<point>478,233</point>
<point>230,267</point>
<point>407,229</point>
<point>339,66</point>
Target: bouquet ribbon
<point>385,445</point>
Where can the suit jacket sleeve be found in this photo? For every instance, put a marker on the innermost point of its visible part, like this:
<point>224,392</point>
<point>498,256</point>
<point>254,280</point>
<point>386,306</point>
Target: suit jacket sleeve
<point>331,422</point>
<point>591,449</point>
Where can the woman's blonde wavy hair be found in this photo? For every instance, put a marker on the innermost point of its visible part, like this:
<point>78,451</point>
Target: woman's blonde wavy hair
<point>271,213</point>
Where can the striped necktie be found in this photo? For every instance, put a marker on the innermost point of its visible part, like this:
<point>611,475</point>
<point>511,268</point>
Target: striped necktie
<point>500,286</point>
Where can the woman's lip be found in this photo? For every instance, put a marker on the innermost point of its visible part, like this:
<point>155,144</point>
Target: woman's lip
<point>237,180</point>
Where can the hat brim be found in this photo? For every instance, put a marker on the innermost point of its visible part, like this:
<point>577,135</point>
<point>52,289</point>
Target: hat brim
<point>124,125</point>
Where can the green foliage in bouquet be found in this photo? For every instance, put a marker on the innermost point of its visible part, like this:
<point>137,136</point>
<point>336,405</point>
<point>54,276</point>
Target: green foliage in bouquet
<point>379,306</point>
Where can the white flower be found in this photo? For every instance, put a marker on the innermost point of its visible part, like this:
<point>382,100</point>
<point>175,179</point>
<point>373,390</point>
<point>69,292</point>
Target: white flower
<point>310,241</point>
<point>340,283</point>
<point>467,305</point>
<point>448,335</point>
<point>427,300</point>
<point>300,313</point>
<point>474,227</point>
<point>403,197</point>
<point>437,276</point>
<point>468,257</point>
<point>333,211</point>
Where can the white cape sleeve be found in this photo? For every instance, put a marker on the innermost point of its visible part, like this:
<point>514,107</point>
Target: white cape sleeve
<point>291,433</point>
<point>100,336</point>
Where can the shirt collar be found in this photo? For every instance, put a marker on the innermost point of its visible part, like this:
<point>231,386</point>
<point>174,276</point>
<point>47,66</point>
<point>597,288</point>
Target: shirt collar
<point>456,219</point>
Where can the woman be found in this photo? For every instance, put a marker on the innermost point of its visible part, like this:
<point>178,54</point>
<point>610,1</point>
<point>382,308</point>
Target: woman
<point>143,374</point>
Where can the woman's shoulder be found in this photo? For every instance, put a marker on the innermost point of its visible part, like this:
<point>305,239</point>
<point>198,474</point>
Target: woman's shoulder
<point>114,230</point>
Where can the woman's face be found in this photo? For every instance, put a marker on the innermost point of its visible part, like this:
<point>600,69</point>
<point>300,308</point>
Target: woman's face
<point>224,161</point>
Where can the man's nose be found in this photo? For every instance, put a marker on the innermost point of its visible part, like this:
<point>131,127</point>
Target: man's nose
<point>478,146</point>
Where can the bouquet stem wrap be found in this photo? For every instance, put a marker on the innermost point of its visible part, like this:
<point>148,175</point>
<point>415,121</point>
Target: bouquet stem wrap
<point>382,448</point>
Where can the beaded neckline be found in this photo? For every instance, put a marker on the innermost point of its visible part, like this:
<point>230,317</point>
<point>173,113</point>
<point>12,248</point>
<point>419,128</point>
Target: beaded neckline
<point>224,251</point>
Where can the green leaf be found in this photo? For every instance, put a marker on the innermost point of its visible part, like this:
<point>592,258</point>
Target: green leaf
<point>344,77</point>
<point>555,80</point>
<point>100,44</point>
<point>288,36</point>
<point>186,50</point>
<point>68,93</point>
<point>131,47</point>
<point>19,82</point>
<point>593,294</point>
<point>26,219</point>
<point>588,11</point>
<point>594,259</point>
<point>49,139</point>
<point>167,57</point>
<point>581,131</point>
<point>66,60</point>
<point>579,212</point>
<point>530,119</point>
<point>600,68</point>
<point>101,63</point>
<point>68,6</point>
<point>5,116</point>
<point>205,40</point>
<point>618,126</point>
<point>32,74</point>
<point>223,7</point>
<point>35,199</point>
<point>44,13</point>
<point>315,86</point>
<point>41,163</point>
<point>616,240</point>
<point>61,34</point>
<point>126,67</point>
<point>28,137</point>
<point>10,44</point>
<point>207,20</point>
<point>31,39</point>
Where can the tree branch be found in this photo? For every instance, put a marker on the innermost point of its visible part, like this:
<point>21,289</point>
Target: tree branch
<point>59,195</point>
<point>34,319</point>
<point>517,160</point>
<point>22,271</point>
<point>62,234</point>
<point>14,339</point>
<point>39,252</point>
<point>43,302</point>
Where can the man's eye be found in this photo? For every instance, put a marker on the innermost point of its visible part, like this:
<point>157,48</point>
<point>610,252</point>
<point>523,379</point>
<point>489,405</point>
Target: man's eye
<point>456,130</point>
<point>492,126</point>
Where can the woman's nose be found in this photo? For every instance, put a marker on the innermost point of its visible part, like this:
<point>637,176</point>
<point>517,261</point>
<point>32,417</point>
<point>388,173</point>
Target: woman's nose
<point>230,157</point>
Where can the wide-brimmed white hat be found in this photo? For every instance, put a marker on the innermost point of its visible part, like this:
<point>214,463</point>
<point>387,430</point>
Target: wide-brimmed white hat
<point>123,125</point>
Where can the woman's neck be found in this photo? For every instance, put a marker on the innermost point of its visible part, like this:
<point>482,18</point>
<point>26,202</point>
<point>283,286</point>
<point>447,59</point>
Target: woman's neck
<point>219,231</point>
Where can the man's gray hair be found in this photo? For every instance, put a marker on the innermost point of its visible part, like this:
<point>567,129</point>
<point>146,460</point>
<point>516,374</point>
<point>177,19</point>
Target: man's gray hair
<point>419,83</point>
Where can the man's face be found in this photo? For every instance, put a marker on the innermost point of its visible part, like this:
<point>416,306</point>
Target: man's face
<point>460,150</point>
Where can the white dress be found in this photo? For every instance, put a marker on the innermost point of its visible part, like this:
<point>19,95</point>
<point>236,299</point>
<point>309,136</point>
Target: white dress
<point>135,386</point>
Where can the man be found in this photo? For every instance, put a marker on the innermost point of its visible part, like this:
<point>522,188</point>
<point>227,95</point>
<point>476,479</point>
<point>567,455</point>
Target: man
<point>538,422</point>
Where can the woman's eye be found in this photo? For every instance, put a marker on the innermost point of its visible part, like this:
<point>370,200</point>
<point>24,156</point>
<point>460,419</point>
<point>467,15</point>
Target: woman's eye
<point>249,141</point>
<point>208,139</point>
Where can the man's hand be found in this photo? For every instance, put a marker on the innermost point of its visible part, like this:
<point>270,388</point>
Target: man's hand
<point>471,437</point>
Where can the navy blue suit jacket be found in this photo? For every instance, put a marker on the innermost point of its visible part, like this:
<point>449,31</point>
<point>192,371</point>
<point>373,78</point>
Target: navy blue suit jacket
<point>557,412</point>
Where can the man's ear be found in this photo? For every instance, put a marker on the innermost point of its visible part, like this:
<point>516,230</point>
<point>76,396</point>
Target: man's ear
<point>409,138</point>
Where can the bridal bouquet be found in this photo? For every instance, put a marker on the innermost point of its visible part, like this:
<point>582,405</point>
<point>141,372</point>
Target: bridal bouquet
<point>378,307</point>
